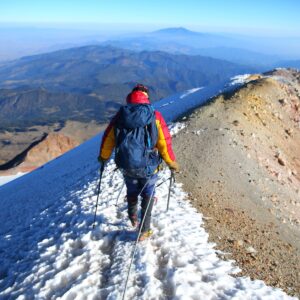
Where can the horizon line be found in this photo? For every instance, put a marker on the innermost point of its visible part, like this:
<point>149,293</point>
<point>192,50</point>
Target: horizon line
<point>114,27</point>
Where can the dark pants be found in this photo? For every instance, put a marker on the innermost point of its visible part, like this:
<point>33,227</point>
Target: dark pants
<point>145,187</point>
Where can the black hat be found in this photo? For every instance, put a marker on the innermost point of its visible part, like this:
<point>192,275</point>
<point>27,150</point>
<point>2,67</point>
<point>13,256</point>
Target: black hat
<point>141,87</point>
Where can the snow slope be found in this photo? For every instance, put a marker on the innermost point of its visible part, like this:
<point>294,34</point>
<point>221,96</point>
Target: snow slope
<point>49,250</point>
<point>8,178</point>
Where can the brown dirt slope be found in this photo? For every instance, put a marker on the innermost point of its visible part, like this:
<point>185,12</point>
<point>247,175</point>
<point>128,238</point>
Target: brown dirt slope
<point>13,143</point>
<point>50,147</point>
<point>241,165</point>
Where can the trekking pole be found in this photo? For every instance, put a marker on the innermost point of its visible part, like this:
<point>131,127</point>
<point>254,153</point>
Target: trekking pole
<point>100,179</point>
<point>163,182</point>
<point>136,243</point>
<point>172,179</point>
<point>120,193</point>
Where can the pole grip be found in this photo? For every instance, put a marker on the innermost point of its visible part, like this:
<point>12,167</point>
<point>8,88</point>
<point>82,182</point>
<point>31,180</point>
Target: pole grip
<point>172,179</point>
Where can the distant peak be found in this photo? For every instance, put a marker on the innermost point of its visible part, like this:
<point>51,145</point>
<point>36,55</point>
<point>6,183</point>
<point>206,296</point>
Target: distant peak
<point>175,30</point>
<point>172,29</point>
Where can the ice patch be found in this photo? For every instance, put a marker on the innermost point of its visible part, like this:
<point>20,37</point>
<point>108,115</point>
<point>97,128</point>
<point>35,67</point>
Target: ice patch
<point>191,91</point>
<point>239,79</point>
<point>176,127</point>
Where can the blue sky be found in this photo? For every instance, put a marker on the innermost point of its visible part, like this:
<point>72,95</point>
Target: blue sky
<point>271,17</point>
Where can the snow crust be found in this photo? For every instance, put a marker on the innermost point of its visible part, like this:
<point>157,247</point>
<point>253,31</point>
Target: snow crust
<point>49,250</point>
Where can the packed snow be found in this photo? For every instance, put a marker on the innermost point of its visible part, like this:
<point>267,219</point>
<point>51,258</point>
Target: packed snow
<point>50,251</point>
<point>8,178</point>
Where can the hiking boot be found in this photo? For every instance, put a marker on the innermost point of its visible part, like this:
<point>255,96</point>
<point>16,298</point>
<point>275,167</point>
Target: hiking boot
<point>134,221</point>
<point>145,235</point>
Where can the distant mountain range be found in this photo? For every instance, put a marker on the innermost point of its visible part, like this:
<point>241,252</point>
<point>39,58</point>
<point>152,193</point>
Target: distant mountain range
<point>175,40</point>
<point>82,83</point>
<point>255,52</point>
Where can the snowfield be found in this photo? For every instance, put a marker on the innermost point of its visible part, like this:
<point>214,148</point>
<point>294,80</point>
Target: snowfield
<point>49,250</point>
